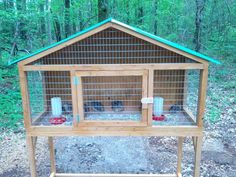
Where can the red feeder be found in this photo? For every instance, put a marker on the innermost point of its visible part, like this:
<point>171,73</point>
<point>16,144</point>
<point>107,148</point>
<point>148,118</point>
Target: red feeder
<point>57,120</point>
<point>158,118</point>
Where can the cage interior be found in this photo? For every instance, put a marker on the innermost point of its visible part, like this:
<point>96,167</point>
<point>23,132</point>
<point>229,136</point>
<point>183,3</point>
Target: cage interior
<point>43,86</point>
<point>175,97</point>
<point>112,98</point>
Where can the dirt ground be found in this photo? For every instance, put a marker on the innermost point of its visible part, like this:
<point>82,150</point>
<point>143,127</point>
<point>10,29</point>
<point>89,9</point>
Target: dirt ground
<point>116,155</point>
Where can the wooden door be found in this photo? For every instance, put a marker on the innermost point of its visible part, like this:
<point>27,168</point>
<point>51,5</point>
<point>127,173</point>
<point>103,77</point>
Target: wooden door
<point>111,98</point>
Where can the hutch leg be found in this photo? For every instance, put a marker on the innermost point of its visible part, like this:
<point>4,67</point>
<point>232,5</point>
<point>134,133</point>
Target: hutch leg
<point>198,149</point>
<point>180,154</point>
<point>52,155</point>
<point>31,154</point>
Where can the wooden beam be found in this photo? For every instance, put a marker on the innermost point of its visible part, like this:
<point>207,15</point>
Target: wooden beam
<point>150,94</point>
<point>114,67</point>
<point>52,154</point>
<point>194,143</point>
<point>25,98</point>
<point>202,95</point>
<point>116,131</point>
<point>31,155</point>
<point>197,159</point>
<point>74,98</point>
<point>113,175</point>
<point>179,155</point>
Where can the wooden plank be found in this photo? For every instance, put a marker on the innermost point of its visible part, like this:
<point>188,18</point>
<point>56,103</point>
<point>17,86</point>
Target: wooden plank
<point>80,101</point>
<point>194,143</point>
<point>74,100</point>
<point>65,44</point>
<point>150,94</point>
<point>110,73</point>
<point>31,155</point>
<point>197,158</point>
<point>179,155</point>
<point>52,154</point>
<point>202,95</point>
<point>113,175</point>
<point>116,67</point>
<point>25,98</point>
<point>114,123</point>
<point>133,33</point>
<point>117,131</point>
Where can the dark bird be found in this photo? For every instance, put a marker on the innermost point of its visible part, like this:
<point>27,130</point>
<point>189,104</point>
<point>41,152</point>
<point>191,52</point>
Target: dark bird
<point>97,106</point>
<point>117,106</point>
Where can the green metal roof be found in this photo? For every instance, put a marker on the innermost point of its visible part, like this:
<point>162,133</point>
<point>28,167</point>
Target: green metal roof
<point>144,33</point>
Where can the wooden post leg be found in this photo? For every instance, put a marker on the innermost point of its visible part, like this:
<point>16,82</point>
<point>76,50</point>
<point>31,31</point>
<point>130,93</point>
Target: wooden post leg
<point>31,154</point>
<point>52,155</point>
<point>198,152</point>
<point>180,154</point>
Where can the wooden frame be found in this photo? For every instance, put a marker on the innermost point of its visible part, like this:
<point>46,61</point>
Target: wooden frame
<point>93,128</point>
<point>83,123</point>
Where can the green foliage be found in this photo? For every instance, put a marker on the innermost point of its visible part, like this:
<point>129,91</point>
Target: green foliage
<point>34,24</point>
<point>10,100</point>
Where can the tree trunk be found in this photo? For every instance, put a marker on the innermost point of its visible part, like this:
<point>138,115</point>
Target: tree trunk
<point>57,27</point>
<point>198,24</point>
<point>102,10</point>
<point>155,16</point>
<point>67,18</point>
<point>48,21</point>
<point>140,13</point>
<point>42,19</point>
<point>21,9</point>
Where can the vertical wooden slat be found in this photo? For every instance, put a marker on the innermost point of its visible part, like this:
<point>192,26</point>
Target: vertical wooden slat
<point>150,94</point>
<point>202,95</point>
<point>31,155</point>
<point>74,96</point>
<point>197,158</point>
<point>52,154</point>
<point>80,101</point>
<point>179,155</point>
<point>25,97</point>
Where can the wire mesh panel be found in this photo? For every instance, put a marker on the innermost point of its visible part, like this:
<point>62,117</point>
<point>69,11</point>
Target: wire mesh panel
<point>112,46</point>
<point>50,97</point>
<point>112,98</point>
<point>175,97</point>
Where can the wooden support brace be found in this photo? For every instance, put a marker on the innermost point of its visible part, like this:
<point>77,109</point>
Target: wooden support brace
<point>31,154</point>
<point>197,156</point>
<point>180,154</point>
<point>52,155</point>
<point>194,143</point>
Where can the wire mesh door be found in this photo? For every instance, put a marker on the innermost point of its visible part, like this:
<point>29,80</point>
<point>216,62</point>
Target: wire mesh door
<point>111,98</point>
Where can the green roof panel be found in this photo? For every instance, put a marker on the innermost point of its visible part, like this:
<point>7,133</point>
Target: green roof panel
<point>144,33</point>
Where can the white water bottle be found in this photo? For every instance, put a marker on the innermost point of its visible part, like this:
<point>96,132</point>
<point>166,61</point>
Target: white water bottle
<point>56,106</point>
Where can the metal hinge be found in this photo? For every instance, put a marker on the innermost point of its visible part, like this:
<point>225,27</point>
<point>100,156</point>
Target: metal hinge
<point>76,80</point>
